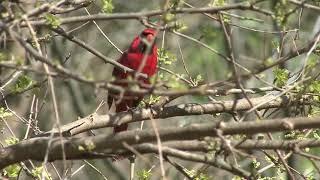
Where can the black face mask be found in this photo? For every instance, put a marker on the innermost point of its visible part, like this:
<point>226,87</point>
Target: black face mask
<point>143,46</point>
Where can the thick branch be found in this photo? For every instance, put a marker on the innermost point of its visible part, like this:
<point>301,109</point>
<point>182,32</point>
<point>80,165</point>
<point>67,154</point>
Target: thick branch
<point>95,121</point>
<point>35,148</point>
<point>277,144</point>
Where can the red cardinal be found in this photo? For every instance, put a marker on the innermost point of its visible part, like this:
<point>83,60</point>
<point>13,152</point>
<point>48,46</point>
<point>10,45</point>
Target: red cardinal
<point>133,59</point>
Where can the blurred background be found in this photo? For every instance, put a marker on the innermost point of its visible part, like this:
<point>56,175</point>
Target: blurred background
<point>256,42</point>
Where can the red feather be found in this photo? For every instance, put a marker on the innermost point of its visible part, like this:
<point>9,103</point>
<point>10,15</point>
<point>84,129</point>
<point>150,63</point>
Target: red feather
<point>133,58</point>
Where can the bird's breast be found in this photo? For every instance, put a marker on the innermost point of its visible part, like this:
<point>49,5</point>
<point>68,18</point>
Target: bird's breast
<point>150,64</point>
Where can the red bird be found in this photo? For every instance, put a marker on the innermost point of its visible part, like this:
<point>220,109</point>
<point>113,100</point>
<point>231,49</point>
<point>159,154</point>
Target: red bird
<point>133,58</point>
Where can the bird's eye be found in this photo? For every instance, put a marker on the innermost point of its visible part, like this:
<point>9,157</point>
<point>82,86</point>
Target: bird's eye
<point>143,35</point>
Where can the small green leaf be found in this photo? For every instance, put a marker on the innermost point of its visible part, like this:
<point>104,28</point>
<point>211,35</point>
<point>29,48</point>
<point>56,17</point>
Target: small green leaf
<point>226,18</point>
<point>255,163</point>
<point>180,26</point>
<point>198,79</point>
<point>107,6</point>
<point>276,45</point>
<point>214,3</point>
<point>236,178</point>
<point>268,61</point>
<point>144,175</point>
<point>52,20</point>
<point>81,148</point>
<point>37,172</point>
<point>315,86</point>
<point>153,99</point>
<point>281,77</point>
<point>169,17</point>
<point>165,57</point>
<point>281,9</point>
<point>23,83</point>
<point>12,171</point>
<point>5,113</point>
<point>11,141</point>
<point>89,145</point>
<point>314,111</point>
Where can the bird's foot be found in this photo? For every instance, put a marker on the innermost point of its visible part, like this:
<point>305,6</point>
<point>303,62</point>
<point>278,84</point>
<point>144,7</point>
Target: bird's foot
<point>117,158</point>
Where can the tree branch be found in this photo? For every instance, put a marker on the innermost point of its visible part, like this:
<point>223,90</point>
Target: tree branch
<point>95,121</point>
<point>107,144</point>
<point>148,14</point>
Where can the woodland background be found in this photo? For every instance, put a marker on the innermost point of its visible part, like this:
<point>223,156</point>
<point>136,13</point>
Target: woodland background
<point>236,95</point>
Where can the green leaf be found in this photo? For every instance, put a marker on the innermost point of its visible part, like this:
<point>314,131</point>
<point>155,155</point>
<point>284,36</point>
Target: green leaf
<point>11,141</point>
<point>52,20</point>
<point>315,134</point>
<point>154,99</point>
<point>180,26</point>
<point>87,146</point>
<point>198,79</point>
<point>226,18</point>
<point>23,83</point>
<point>315,86</point>
<point>12,171</point>
<point>37,171</point>
<point>276,45</point>
<point>281,77</point>
<point>169,17</point>
<point>268,61</point>
<point>107,6</point>
<point>236,178</point>
<point>144,175</point>
<point>214,3</point>
<point>4,113</point>
<point>165,57</point>
<point>81,148</point>
<point>314,111</point>
<point>280,11</point>
<point>256,164</point>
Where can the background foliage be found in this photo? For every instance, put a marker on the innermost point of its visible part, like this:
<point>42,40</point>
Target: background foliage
<point>192,52</point>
